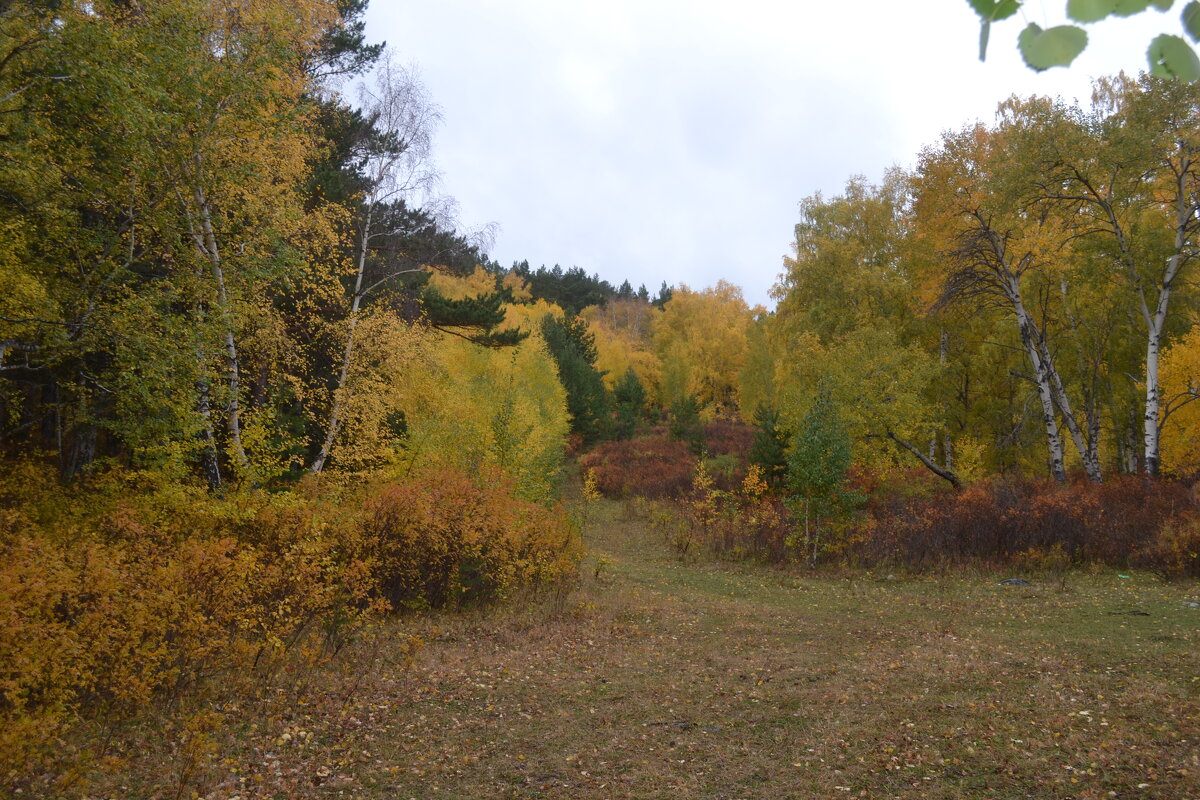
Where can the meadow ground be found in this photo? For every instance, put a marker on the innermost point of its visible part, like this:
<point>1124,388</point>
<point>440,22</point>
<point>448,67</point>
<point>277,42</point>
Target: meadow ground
<point>662,679</point>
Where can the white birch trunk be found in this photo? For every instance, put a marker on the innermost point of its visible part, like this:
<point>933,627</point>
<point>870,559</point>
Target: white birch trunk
<point>339,392</point>
<point>1085,445</point>
<point>233,422</point>
<point>1156,324</point>
<point>1041,377</point>
<point>1150,429</point>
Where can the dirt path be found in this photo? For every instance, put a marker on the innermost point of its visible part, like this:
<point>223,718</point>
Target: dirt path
<point>665,680</point>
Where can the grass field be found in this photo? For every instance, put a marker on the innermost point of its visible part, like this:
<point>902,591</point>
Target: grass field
<point>660,679</point>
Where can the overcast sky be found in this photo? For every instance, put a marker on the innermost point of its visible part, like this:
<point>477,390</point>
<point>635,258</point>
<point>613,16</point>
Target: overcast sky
<point>671,140</point>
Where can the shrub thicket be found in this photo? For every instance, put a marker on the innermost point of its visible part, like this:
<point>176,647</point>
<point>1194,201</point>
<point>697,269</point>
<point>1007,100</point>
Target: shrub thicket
<point>1124,522</point>
<point>649,466</point>
<point>440,540</point>
<point>910,522</point>
<point>149,596</point>
<point>728,437</point>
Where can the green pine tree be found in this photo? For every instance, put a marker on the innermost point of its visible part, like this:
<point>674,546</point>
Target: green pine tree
<point>769,449</point>
<point>685,423</point>
<point>573,348</point>
<point>630,398</point>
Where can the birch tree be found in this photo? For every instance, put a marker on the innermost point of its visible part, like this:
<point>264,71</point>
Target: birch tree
<point>233,137</point>
<point>397,166</point>
<point>997,246</point>
<point>1130,176</point>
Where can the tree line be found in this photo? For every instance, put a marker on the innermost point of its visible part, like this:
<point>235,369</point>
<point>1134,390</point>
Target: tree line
<point>217,265</point>
<point>1022,299</point>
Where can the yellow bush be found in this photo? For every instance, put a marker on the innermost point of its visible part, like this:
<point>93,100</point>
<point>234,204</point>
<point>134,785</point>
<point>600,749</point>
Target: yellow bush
<point>441,539</point>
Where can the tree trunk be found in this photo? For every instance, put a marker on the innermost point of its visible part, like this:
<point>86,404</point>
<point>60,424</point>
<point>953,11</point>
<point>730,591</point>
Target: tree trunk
<point>84,454</point>
<point>1185,213</point>
<point>1045,392</point>
<point>1132,446</point>
<point>210,462</point>
<point>233,421</point>
<point>339,392</point>
<point>83,449</point>
<point>1155,326</point>
<point>1086,445</point>
<point>946,473</point>
<point>1087,441</point>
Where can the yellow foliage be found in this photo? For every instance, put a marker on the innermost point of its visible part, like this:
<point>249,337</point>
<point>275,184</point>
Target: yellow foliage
<point>440,539</point>
<point>142,597</point>
<point>878,386</point>
<point>701,338</point>
<point>970,459</point>
<point>460,287</point>
<point>528,316</point>
<point>591,494</point>
<point>418,398</point>
<point>111,624</point>
<point>754,485</point>
<point>22,294</point>
<point>465,406</point>
<point>631,317</point>
<point>618,351</point>
<point>517,285</point>
<point>757,382</point>
<point>1179,376</point>
<point>390,364</point>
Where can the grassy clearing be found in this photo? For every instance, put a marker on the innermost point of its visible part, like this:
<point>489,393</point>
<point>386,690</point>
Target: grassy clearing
<point>667,680</point>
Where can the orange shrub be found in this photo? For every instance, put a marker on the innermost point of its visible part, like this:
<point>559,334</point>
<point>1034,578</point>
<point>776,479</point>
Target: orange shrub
<point>749,522</point>
<point>106,627</point>
<point>1175,551</point>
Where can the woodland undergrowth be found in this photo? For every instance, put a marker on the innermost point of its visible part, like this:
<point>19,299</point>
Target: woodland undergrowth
<point>905,522</point>
<point>125,595</point>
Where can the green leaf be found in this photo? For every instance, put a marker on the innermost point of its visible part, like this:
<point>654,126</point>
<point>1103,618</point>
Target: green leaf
<point>1053,47</point>
<point>991,11</point>
<point>1191,20</point>
<point>1090,10</point>
<point>1005,9</point>
<point>995,10</point>
<point>1127,8</point>
<point>1163,5</point>
<point>983,8</point>
<point>1172,57</point>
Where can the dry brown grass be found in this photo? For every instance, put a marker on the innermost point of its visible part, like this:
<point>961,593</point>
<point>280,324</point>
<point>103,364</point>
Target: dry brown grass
<point>666,680</point>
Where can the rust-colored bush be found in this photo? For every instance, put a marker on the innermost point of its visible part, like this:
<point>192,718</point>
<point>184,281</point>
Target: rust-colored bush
<point>748,522</point>
<point>651,466</point>
<point>728,437</point>
<point>756,523</point>
<point>993,522</point>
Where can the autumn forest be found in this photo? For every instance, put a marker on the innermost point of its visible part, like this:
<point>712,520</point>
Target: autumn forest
<point>265,401</point>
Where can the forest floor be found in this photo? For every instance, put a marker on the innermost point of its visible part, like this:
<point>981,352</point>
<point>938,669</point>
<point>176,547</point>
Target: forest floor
<point>662,679</point>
